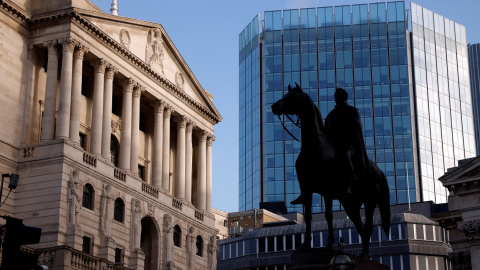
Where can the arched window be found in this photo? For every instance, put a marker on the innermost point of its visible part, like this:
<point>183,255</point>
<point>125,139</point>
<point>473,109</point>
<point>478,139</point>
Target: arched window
<point>119,210</point>
<point>114,150</point>
<point>199,245</point>
<point>88,195</point>
<point>177,235</point>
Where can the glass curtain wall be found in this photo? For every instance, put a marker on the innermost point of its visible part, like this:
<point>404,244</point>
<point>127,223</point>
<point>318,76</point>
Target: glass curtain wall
<point>474,69</point>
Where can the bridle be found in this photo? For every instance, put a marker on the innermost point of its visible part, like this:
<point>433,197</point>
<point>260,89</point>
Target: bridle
<point>296,123</point>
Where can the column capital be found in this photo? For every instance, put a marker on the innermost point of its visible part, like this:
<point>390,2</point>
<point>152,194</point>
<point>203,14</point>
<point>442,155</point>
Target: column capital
<point>202,135</point>
<point>52,47</point>
<point>111,71</point>
<point>210,139</point>
<point>181,121</point>
<point>68,44</point>
<point>190,125</point>
<point>128,84</point>
<point>99,65</point>
<point>158,105</point>
<point>167,111</point>
<point>32,51</point>
<point>138,90</point>
<point>80,51</point>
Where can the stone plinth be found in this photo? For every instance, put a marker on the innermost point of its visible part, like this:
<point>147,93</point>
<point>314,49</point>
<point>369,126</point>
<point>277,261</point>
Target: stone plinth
<point>74,237</point>
<point>107,249</point>
<point>319,258</point>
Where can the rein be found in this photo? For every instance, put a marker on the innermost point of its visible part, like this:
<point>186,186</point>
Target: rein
<point>283,125</point>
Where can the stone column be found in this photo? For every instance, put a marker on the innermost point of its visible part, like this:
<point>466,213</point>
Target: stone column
<point>126,132</point>
<point>63,123</point>
<point>29,89</point>
<point>166,148</point>
<point>180,163</point>
<point>97,108</point>
<point>137,93</point>
<point>208,195</point>
<point>107,112</point>
<point>75,110</point>
<point>48,122</point>
<point>157,154</point>
<point>202,171</point>
<point>188,162</point>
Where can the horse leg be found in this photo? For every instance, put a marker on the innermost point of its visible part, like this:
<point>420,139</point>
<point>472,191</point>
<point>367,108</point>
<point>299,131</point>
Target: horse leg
<point>368,228</point>
<point>353,212</point>
<point>307,212</point>
<point>329,218</point>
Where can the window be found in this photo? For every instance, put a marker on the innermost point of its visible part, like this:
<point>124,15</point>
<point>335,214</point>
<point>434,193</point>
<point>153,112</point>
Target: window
<point>118,255</point>
<point>119,210</point>
<point>199,245</point>
<point>86,245</point>
<point>177,235</point>
<point>116,104</point>
<point>82,139</point>
<point>141,172</point>
<point>114,150</point>
<point>142,122</point>
<point>88,194</point>
<point>84,85</point>
<point>225,223</point>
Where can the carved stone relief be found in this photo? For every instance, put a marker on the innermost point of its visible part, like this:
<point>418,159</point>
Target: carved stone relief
<point>73,198</point>
<point>180,80</point>
<point>116,125</point>
<point>106,211</point>
<point>136,224</point>
<point>125,38</point>
<point>155,51</point>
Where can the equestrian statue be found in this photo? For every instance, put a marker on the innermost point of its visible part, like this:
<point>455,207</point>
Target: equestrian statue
<point>333,162</point>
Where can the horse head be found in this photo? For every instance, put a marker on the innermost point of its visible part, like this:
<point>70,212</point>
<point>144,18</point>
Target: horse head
<point>291,102</point>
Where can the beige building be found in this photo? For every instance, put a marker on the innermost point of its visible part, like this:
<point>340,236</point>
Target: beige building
<point>111,134</point>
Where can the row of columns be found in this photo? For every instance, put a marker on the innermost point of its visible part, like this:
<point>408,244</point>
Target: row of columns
<point>68,123</point>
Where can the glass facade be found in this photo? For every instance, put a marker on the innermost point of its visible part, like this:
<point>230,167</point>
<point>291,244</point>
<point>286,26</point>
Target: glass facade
<point>411,131</point>
<point>474,67</point>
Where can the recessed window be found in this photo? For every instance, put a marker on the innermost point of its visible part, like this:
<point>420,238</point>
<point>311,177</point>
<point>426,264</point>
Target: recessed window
<point>141,172</point>
<point>118,255</point>
<point>88,193</point>
<point>199,245</point>
<point>142,121</point>
<point>87,244</point>
<point>116,104</point>
<point>177,235</point>
<point>82,139</point>
<point>114,150</point>
<point>85,85</point>
<point>119,210</point>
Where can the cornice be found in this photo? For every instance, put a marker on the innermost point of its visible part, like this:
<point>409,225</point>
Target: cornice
<point>15,12</point>
<point>121,51</point>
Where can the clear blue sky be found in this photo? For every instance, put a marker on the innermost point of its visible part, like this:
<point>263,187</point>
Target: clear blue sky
<point>206,34</point>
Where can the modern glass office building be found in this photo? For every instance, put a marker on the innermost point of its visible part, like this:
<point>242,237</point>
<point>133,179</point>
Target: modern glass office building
<point>474,66</point>
<point>405,69</point>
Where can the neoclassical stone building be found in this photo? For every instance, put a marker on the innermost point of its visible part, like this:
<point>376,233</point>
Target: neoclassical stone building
<point>111,134</point>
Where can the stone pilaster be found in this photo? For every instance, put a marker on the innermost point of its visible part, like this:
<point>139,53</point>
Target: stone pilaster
<point>188,161</point>
<point>166,148</point>
<point>126,132</point>
<point>157,154</point>
<point>63,123</point>
<point>107,111</point>
<point>180,161</point>
<point>137,93</point>
<point>29,89</point>
<point>48,122</point>
<point>202,171</point>
<point>97,108</point>
<point>75,110</point>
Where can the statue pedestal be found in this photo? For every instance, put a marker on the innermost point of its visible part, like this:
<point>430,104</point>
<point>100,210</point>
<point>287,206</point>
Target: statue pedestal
<point>107,249</point>
<point>137,259</point>
<point>74,237</point>
<point>319,258</point>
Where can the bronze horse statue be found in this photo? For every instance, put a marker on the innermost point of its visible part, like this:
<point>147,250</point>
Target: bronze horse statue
<point>319,171</point>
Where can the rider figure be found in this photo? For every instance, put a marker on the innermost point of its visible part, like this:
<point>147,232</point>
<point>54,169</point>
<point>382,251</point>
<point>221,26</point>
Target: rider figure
<point>344,128</point>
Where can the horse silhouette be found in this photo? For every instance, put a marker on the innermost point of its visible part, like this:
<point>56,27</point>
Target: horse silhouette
<point>319,171</point>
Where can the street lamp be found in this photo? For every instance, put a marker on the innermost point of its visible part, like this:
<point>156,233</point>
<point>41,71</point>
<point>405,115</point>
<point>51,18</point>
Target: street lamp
<point>13,183</point>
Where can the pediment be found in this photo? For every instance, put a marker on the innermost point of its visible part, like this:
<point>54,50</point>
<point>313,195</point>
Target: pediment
<point>467,172</point>
<point>150,43</point>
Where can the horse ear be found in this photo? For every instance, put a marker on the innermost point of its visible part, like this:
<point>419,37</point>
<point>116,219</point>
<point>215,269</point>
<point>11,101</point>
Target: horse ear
<point>289,88</point>
<point>298,86</point>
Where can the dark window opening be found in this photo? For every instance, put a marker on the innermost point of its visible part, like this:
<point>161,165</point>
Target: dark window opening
<point>199,245</point>
<point>86,246</point>
<point>118,210</point>
<point>118,255</point>
<point>116,104</point>
<point>177,235</point>
<point>88,193</point>
<point>114,150</point>
<point>141,172</point>
<point>142,121</point>
<point>84,85</point>
<point>82,139</point>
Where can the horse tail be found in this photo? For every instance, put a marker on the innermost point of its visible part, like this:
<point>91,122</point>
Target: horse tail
<point>384,203</point>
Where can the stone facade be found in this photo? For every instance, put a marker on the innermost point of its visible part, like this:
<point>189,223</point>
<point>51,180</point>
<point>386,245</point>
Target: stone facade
<point>463,216</point>
<point>111,134</point>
